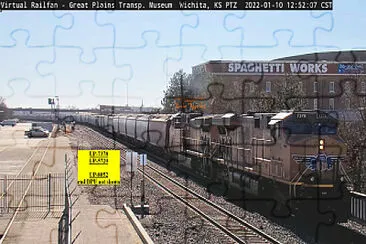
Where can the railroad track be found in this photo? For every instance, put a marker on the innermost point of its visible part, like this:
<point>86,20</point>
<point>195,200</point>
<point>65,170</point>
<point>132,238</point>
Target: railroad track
<point>233,226</point>
<point>237,229</point>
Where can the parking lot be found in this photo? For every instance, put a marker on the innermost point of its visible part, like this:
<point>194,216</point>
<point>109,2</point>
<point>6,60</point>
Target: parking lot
<point>15,148</point>
<point>21,159</point>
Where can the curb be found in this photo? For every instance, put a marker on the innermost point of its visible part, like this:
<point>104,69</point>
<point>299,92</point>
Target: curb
<point>137,225</point>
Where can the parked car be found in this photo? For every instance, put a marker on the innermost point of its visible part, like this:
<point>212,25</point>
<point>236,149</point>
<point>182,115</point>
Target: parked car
<point>8,122</point>
<point>37,132</point>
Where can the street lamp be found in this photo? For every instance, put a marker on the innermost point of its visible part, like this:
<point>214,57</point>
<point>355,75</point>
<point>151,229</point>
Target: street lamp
<point>57,109</point>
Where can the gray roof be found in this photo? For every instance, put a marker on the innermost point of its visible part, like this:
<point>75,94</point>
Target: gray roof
<point>347,115</point>
<point>335,56</point>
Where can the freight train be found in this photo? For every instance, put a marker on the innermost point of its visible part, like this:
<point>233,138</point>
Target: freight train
<point>292,158</point>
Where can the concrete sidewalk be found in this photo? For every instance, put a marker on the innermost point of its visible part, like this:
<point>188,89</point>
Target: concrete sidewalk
<point>101,224</point>
<point>92,223</point>
<point>98,223</point>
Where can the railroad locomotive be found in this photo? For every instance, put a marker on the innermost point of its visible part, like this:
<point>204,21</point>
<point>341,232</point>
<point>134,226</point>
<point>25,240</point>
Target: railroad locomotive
<point>292,158</point>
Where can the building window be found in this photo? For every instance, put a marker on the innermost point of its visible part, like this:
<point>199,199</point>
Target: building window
<point>300,86</point>
<point>315,86</point>
<point>268,86</point>
<point>251,87</point>
<point>256,123</point>
<point>363,87</point>
<point>347,87</point>
<point>362,101</point>
<point>331,86</point>
<point>348,103</point>
<point>315,104</point>
<point>331,103</point>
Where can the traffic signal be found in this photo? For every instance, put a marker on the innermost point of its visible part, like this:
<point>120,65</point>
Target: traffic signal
<point>51,101</point>
<point>321,144</point>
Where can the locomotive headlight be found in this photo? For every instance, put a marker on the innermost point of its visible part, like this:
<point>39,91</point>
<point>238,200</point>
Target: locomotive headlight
<point>321,144</point>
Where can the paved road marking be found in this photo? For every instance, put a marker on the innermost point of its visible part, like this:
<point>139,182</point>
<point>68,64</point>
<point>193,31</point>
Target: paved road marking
<point>3,149</point>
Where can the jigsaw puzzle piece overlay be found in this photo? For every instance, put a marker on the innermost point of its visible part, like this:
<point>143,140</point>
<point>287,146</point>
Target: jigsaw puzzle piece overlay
<point>349,18</point>
<point>281,45</point>
<point>211,33</point>
<point>71,75</point>
<point>188,55</point>
<point>20,70</point>
<point>141,58</point>
<point>128,27</point>
<point>86,35</point>
<point>258,31</point>
<point>40,26</point>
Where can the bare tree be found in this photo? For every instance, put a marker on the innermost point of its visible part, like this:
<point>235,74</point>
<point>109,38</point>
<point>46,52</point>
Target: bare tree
<point>4,111</point>
<point>290,94</point>
<point>219,95</point>
<point>180,81</point>
<point>354,124</point>
<point>242,95</point>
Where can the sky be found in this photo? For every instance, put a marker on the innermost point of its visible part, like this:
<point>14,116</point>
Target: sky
<point>87,58</point>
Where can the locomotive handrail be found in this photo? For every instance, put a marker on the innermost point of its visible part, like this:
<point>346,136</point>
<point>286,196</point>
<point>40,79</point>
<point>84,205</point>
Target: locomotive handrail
<point>263,159</point>
<point>358,194</point>
<point>358,207</point>
<point>345,173</point>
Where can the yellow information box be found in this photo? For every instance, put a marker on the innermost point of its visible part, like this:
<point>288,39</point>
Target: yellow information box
<point>99,167</point>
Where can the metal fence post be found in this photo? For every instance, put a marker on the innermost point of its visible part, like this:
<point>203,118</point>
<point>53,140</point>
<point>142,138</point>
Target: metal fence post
<point>49,192</point>
<point>2,208</point>
<point>66,209</point>
<point>6,206</point>
<point>70,222</point>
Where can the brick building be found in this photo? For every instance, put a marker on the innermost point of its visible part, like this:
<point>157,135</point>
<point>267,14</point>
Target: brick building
<point>329,81</point>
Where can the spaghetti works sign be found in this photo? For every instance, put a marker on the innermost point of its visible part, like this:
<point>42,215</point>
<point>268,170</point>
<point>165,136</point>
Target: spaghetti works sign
<point>279,68</point>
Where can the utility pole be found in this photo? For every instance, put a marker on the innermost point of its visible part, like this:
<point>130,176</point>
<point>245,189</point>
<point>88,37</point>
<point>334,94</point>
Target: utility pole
<point>57,109</point>
<point>142,105</point>
<point>181,93</point>
<point>51,102</point>
<point>143,160</point>
<point>131,179</point>
<point>243,96</point>
<point>126,94</point>
<point>183,116</point>
<point>113,132</point>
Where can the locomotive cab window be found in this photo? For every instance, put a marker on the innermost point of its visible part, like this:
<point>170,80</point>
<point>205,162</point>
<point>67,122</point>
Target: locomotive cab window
<point>268,120</point>
<point>275,129</point>
<point>257,123</point>
<point>177,123</point>
<point>311,128</point>
<point>206,126</point>
<point>325,129</point>
<point>278,129</point>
